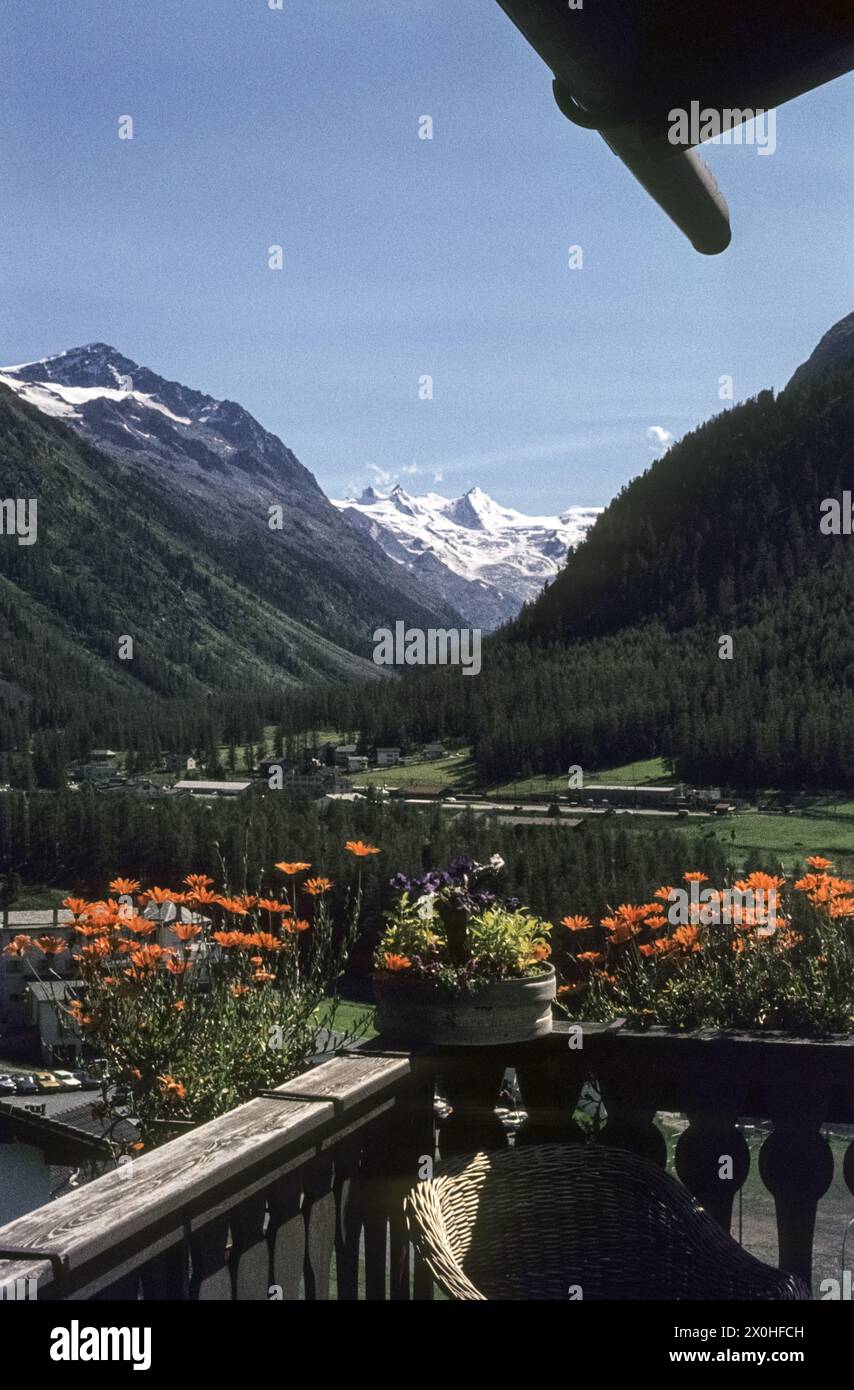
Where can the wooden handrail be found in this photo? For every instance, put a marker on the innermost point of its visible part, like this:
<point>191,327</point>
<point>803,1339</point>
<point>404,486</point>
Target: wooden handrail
<point>117,1223</point>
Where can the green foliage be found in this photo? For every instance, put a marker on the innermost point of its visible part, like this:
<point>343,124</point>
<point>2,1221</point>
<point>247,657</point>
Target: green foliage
<point>242,1002</point>
<point>491,944</point>
<point>791,970</point>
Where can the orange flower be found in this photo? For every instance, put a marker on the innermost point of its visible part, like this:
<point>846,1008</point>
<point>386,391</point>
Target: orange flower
<point>809,882</point>
<point>817,861</point>
<point>295,868</point>
<point>568,991</point>
<point>18,945</point>
<point>97,949</point>
<point>78,1016</point>
<point>76,906</point>
<point>229,939</point>
<point>170,1086</point>
<point>161,895</point>
<point>394,963</point>
<point>664,892</point>
<point>202,895</point>
<point>656,922</point>
<point>178,967</point>
<point>631,915</point>
<point>620,932</point>
<point>140,926</point>
<point>146,957</point>
<point>273,905</point>
<point>694,876</point>
<point>842,907</point>
<point>766,883</point>
<point>575,923</point>
<point>263,976</point>
<point>124,886</point>
<point>179,1006</point>
<point>51,945</point>
<point>316,886</point>
<point>240,991</point>
<point>590,957</point>
<point>360,849</point>
<point>266,941</point>
<point>197,881</point>
<point>299,925</point>
<point>688,938</point>
<point>186,931</point>
<point>234,905</point>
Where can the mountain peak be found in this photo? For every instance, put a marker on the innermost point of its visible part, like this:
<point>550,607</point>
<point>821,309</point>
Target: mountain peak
<point>92,364</point>
<point>485,559</point>
<point>835,346</point>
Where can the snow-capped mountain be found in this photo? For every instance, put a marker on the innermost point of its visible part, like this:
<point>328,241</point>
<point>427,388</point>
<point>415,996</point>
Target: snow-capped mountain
<point>181,449</point>
<point>202,443</point>
<point>484,559</point>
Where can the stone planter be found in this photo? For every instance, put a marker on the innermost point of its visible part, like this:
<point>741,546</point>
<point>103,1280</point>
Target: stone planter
<point>511,1011</point>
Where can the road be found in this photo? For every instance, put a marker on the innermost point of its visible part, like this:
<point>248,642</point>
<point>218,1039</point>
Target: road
<point>541,809</point>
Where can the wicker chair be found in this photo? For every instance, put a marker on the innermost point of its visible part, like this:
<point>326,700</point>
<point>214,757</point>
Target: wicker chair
<point>535,1223</point>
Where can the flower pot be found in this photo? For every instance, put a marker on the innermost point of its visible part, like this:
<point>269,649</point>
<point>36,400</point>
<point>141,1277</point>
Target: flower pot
<point>417,1012</point>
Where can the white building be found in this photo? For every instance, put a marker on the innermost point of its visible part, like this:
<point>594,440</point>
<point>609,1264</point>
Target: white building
<point>210,789</point>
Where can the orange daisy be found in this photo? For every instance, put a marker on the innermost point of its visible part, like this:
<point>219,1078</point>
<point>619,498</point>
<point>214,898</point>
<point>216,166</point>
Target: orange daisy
<point>575,923</point>
<point>394,963</point>
<point>123,886</point>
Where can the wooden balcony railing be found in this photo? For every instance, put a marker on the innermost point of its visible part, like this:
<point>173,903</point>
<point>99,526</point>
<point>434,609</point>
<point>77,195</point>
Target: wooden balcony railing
<point>298,1194</point>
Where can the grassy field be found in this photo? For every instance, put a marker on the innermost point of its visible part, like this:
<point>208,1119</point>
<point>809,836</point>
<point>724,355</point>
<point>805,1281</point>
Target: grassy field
<point>643,773</point>
<point>458,772</point>
<point>786,839</point>
<point>358,1017</point>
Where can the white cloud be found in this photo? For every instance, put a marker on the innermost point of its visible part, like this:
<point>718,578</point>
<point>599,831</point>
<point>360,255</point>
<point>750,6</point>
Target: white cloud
<point>381,478</point>
<point>659,437</point>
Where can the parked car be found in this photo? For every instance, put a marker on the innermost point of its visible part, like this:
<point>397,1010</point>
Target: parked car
<point>68,1081</point>
<point>7,1086</point>
<point>26,1085</point>
<point>46,1081</point>
<point>87,1082</point>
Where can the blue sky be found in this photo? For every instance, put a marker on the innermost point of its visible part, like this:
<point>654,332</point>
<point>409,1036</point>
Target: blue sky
<point>402,257</point>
